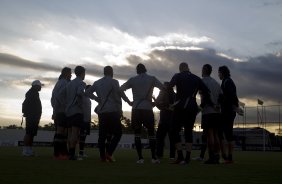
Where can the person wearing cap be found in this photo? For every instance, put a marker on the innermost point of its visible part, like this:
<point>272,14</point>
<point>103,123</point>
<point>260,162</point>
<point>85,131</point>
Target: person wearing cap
<point>74,109</point>
<point>109,112</point>
<point>58,102</point>
<point>32,110</point>
<point>142,87</point>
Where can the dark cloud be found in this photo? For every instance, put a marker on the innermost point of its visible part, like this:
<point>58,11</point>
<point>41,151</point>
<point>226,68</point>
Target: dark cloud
<point>258,77</point>
<point>12,60</point>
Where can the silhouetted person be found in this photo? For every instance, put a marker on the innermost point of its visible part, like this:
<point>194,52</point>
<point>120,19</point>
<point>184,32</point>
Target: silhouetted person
<point>163,102</point>
<point>58,102</point>
<point>74,109</point>
<point>32,110</point>
<point>229,104</point>
<point>142,87</point>
<point>186,108</point>
<point>109,111</point>
<point>211,115</point>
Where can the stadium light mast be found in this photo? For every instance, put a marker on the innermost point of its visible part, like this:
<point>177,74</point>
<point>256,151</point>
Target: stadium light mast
<point>260,102</point>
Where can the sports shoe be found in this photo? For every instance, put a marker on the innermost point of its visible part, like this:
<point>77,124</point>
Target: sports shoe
<point>28,153</point>
<point>110,158</point>
<point>155,161</point>
<point>61,157</point>
<point>177,161</point>
<point>198,159</point>
<point>140,161</point>
<point>82,155</point>
<point>183,162</point>
<point>228,162</point>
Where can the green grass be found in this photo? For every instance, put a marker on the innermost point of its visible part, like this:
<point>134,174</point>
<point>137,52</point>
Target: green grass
<point>250,167</point>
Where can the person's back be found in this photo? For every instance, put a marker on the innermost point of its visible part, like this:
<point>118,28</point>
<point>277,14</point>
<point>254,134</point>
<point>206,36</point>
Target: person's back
<point>142,89</point>
<point>58,100</point>
<point>215,92</point>
<point>230,99</point>
<point>107,90</point>
<point>74,92</point>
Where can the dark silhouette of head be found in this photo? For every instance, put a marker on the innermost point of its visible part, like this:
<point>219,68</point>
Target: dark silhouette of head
<point>183,67</point>
<point>223,72</point>
<point>108,71</point>
<point>36,85</point>
<point>140,68</point>
<point>80,72</point>
<point>65,73</point>
<point>206,70</point>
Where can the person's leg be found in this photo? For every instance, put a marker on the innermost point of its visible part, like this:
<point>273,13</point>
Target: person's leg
<point>160,136</point>
<point>59,140</point>
<point>188,132</point>
<point>76,123</point>
<point>172,148</point>
<point>102,136</point>
<point>148,118</point>
<point>204,143</point>
<point>229,135</point>
<point>82,139</point>
<point>137,125</point>
<point>176,128</point>
<point>73,141</point>
<point>59,137</point>
<point>116,131</point>
<point>221,135</point>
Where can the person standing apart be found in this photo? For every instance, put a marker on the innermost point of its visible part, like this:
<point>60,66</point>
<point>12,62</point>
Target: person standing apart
<point>109,112</point>
<point>74,109</point>
<point>186,108</point>
<point>32,110</point>
<point>229,105</point>
<point>211,115</point>
<point>58,102</point>
<point>142,87</point>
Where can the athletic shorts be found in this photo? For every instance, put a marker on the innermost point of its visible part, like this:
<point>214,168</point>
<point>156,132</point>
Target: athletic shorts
<point>31,126</point>
<point>109,124</point>
<point>226,126</point>
<point>141,117</point>
<point>75,120</point>
<point>184,118</point>
<point>61,120</point>
<point>210,120</point>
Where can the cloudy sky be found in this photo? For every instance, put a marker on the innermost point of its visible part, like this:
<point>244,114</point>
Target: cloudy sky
<point>38,38</point>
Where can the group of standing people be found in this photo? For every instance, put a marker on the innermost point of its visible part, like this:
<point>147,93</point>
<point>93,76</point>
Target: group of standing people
<point>72,112</point>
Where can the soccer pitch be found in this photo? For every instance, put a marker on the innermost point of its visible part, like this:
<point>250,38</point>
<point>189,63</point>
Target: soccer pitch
<point>249,167</point>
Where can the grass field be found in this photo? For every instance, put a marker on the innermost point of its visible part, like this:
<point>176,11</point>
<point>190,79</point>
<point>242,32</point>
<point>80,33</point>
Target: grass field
<point>250,167</point>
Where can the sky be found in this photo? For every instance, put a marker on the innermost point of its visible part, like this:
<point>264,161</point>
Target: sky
<point>38,38</point>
